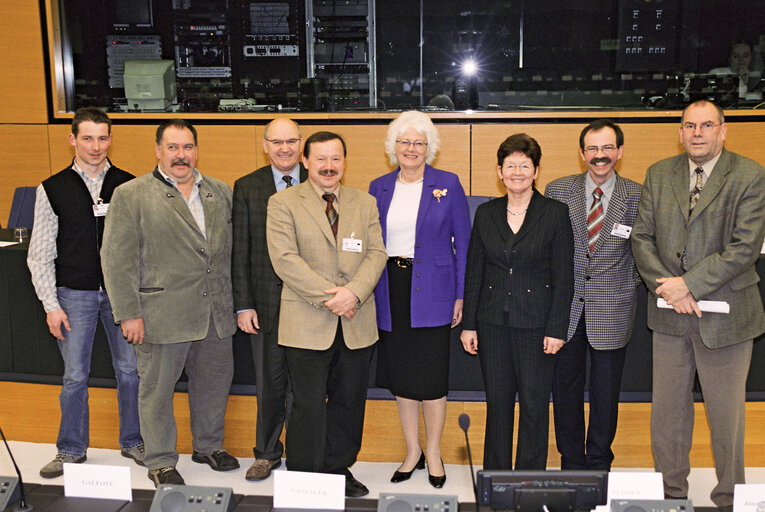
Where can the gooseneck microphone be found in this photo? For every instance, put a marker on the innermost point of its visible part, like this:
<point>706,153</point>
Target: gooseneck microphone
<point>464,421</point>
<point>22,506</point>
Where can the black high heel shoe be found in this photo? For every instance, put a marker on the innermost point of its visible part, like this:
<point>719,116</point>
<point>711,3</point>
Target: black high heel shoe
<point>437,481</point>
<point>402,476</point>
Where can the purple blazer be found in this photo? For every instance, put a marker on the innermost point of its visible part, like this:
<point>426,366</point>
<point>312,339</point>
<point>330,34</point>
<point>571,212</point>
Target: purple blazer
<point>438,274</point>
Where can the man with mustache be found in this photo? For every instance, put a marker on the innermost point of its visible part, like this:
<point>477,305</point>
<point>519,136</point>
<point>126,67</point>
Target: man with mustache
<point>326,245</point>
<point>167,264</point>
<point>70,208</point>
<point>257,289</point>
<point>602,207</point>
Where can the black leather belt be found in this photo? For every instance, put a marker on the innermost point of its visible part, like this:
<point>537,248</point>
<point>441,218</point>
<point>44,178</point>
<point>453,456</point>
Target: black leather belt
<point>402,262</point>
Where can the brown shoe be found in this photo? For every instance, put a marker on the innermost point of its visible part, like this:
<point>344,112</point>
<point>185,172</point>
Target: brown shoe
<point>261,469</point>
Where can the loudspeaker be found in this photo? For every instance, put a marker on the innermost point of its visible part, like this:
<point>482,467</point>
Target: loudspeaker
<point>192,498</point>
<point>9,491</point>
<point>390,502</point>
<point>651,506</point>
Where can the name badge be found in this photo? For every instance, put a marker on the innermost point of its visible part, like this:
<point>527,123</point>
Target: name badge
<point>352,244</point>
<point>99,210</point>
<point>621,230</point>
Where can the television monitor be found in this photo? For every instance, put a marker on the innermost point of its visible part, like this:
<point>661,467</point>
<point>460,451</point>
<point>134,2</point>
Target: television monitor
<point>149,84</point>
<point>537,491</point>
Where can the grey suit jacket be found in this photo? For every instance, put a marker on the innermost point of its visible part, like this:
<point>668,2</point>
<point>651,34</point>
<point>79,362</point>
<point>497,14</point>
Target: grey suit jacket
<point>157,264</point>
<point>256,285</point>
<point>606,281</point>
<point>307,258</point>
<point>723,238</point>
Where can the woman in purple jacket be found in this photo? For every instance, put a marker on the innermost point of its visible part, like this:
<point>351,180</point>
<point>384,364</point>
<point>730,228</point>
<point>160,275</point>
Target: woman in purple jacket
<point>426,228</point>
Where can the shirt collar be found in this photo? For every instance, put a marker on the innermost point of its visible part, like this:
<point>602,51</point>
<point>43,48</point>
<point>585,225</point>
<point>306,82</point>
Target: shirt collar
<point>707,166</point>
<point>82,173</point>
<point>174,183</point>
<point>606,187</point>
<point>278,175</point>
<point>320,192</point>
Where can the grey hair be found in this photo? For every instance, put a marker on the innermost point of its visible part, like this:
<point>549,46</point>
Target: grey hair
<point>422,124</point>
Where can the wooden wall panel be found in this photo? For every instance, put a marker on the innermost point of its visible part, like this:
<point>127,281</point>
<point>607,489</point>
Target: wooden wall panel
<point>30,412</point>
<point>24,163</point>
<point>22,80</point>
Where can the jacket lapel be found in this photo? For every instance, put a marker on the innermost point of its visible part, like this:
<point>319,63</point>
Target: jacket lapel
<point>533,214</point>
<point>578,209</point>
<point>428,186</point>
<point>315,209</point>
<point>713,186</point>
<point>210,207</point>
<point>680,180</point>
<point>388,186</point>
<point>175,198</point>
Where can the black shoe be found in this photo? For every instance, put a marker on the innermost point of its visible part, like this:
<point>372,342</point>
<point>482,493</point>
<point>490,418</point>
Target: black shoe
<point>354,488</point>
<point>219,461</point>
<point>166,475</point>
<point>402,476</point>
<point>437,481</point>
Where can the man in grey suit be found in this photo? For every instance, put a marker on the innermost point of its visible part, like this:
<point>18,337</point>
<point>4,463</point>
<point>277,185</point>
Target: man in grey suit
<point>257,289</point>
<point>166,259</point>
<point>698,235</point>
<point>602,207</point>
<point>325,243</point>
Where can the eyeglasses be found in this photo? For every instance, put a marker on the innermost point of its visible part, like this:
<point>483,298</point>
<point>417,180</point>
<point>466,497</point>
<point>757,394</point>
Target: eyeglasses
<point>522,167</point>
<point>707,126</point>
<point>608,148</point>
<point>282,142</point>
<point>418,144</point>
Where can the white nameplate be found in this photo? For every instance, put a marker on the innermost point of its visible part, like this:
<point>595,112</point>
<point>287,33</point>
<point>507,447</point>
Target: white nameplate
<point>706,306</point>
<point>297,489</point>
<point>749,498</point>
<point>95,481</point>
<point>628,485</point>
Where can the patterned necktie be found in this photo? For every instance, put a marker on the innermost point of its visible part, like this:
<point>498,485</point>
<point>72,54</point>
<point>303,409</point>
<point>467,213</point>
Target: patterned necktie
<point>595,218</point>
<point>696,192</point>
<point>288,180</point>
<point>331,212</point>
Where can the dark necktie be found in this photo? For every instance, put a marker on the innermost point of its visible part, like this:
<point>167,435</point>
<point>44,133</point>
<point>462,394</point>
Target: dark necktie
<point>331,212</point>
<point>595,218</point>
<point>288,180</point>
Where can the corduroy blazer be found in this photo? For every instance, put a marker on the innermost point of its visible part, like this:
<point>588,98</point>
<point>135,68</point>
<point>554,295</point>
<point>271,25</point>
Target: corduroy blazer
<point>723,238</point>
<point>524,280</point>
<point>160,267</point>
<point>256,285</point>
<point>605,281</point>
<point>309,260</point>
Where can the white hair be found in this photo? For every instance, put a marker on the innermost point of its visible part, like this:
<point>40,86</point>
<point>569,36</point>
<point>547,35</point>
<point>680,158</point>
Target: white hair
<point>422,124</point>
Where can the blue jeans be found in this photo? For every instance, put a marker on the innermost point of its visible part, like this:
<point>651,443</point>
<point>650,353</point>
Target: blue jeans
<point>83,308</point>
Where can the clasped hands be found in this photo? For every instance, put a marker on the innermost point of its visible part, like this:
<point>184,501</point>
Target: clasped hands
<point>676,293</point>
<point>343,303</point>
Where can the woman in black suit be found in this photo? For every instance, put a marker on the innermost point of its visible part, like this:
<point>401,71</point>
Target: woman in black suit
<point>518,288</point>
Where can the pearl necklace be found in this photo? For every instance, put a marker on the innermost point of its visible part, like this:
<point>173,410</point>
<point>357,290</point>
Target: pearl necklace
<point>401,179</point>
<point>517,214</point>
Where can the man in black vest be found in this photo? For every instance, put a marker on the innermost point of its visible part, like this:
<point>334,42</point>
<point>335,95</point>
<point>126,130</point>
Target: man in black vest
<point>64,261</point>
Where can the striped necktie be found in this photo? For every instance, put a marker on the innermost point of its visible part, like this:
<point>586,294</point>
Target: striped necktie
<point>331,212</point>
<point>595,218</point>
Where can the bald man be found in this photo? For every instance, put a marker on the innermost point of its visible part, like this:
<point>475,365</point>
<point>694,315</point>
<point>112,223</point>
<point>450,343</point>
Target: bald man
<point>257,289</point>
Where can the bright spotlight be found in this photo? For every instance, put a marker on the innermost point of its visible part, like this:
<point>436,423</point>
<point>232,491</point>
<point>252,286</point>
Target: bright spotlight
<point>469,67</point>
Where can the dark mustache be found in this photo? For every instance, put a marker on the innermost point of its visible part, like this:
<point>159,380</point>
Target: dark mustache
<point>328,172</point>
<point>601,160</point>
<point>181,161</point>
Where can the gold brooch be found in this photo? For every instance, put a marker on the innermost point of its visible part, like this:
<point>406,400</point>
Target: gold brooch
<point>438,194</point>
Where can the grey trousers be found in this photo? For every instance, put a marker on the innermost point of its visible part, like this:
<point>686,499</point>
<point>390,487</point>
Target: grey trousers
<point>209,366</point>
<point>722,373</point>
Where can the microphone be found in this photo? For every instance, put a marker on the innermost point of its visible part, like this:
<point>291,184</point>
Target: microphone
<point>464,421</point>
<point>22,506</point>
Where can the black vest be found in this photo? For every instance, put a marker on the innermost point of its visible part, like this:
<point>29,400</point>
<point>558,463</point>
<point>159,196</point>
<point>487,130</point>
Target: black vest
<point>78,265</point>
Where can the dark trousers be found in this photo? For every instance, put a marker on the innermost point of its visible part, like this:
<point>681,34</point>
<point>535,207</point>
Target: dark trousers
<point>274,393</point>
<point>330,391</point>
<point>513,360</point>
<point>605,382</point>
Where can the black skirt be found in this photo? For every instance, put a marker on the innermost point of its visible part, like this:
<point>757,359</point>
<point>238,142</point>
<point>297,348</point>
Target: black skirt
<point>411,362</point>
